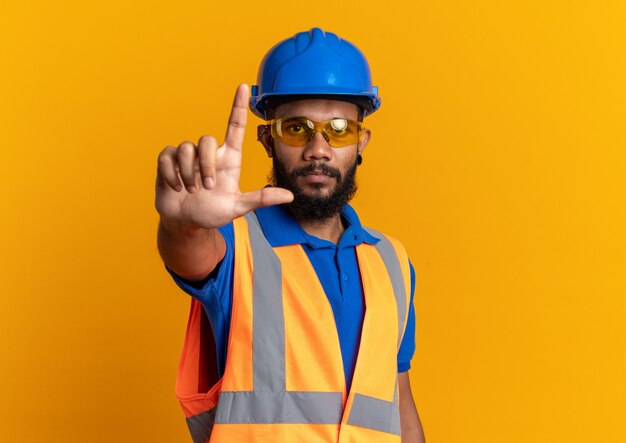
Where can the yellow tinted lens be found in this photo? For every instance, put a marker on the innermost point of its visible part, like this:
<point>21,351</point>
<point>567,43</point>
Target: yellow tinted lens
<point>342,132</point>
<point>298,131</point>
<point>293,131</point>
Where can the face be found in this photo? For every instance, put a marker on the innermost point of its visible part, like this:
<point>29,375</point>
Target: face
<point>322,178</point>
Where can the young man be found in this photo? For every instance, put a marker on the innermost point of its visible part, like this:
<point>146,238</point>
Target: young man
<point>281,277</point>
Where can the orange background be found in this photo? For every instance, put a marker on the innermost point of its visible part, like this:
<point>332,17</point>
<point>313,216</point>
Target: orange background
<point>498,158</point>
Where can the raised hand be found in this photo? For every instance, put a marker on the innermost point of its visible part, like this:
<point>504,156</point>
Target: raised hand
<point>198,186</point>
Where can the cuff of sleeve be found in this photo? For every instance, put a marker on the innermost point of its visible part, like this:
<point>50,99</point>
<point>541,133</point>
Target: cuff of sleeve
<point>196,289</point>
<point>403,367</point>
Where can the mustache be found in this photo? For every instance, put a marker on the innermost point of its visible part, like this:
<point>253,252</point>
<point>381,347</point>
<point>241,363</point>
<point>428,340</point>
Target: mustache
<point>317,167</point>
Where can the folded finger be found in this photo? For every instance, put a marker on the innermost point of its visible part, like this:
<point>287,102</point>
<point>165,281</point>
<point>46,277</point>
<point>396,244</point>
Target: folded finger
<point>207,151</point>
<point>186,162</point>
<point>166,168</point>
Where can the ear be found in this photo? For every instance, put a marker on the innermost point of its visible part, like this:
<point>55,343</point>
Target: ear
<point>263,135</point>
<point>367,135</point>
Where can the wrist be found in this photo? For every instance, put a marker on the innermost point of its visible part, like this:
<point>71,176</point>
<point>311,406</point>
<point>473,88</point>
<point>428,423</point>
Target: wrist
<point>177,229</point>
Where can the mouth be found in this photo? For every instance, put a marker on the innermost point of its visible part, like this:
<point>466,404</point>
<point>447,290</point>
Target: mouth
<point>317,177</point>
<point>318,169</point>
<point>317,172</point>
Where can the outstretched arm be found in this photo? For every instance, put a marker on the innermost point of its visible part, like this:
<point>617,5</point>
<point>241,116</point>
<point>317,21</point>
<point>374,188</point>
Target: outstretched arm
<point>197,191</point>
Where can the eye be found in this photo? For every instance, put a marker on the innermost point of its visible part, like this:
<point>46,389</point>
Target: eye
<point>294,127</point>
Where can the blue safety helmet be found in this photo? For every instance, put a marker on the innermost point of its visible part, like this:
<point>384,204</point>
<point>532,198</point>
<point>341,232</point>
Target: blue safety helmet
<point>313,64</point>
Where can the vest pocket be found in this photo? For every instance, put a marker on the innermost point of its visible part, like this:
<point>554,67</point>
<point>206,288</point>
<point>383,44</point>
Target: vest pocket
<point>194,376</point>
<point>200,412</point>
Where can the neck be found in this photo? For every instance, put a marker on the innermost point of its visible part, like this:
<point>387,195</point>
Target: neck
<point>330,229</point>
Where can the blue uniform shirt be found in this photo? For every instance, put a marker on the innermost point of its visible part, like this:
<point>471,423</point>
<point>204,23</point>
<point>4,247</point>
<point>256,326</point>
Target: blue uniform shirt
<point>336,267</point>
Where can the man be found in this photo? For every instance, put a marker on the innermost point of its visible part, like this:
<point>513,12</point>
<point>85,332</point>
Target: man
<point>281,276</point>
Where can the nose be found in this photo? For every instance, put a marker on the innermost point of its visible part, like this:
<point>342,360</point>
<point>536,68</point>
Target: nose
<point>318,148</point>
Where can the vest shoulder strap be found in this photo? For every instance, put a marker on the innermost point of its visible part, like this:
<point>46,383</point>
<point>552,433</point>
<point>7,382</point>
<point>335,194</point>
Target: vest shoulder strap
<point>396,261</point>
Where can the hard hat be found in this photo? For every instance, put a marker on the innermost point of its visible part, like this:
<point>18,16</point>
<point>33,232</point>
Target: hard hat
<point>313,64</point>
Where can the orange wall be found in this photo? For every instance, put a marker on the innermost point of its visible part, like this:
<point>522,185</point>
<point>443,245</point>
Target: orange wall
<point>498,157</point>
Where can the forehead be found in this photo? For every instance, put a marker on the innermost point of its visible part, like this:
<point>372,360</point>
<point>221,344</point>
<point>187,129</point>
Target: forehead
<point>318,109</point>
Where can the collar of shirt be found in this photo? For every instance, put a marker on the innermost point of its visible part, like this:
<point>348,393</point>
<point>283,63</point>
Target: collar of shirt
<point>281,229</point>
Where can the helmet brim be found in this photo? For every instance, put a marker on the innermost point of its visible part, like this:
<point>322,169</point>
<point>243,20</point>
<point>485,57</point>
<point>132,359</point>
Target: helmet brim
<point>269,103</point>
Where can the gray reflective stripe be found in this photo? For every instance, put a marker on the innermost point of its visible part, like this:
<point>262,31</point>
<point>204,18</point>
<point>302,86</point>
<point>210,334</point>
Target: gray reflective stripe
<point>279,407</point>
<point>373,413</point>
<point>268,336</point>
<point>201,425</point>
<point>390,258</point>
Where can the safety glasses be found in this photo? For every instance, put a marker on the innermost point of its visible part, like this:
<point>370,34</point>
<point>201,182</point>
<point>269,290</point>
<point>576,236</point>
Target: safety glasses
<point>298,131</point>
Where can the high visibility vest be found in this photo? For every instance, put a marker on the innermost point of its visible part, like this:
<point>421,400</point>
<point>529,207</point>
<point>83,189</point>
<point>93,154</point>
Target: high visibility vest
<point>284,380</point>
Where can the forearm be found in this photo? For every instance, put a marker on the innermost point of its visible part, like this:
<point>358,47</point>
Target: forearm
<point>410,424</point>
<point>191,253</point>
<point>413,434</point>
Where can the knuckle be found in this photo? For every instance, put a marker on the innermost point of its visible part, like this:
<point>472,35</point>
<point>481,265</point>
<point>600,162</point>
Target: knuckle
<point>207,140</point>
<point>164,160</point>
<point>186,147</point>
<point>166,152</point>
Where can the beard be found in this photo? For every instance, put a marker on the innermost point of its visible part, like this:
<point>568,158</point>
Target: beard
<point>305,207</point>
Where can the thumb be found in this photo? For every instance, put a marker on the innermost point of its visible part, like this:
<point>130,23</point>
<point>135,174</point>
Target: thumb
<point>263,197</point>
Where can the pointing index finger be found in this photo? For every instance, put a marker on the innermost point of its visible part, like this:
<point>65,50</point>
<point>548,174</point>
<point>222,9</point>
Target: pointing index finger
<point>238,117</point>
